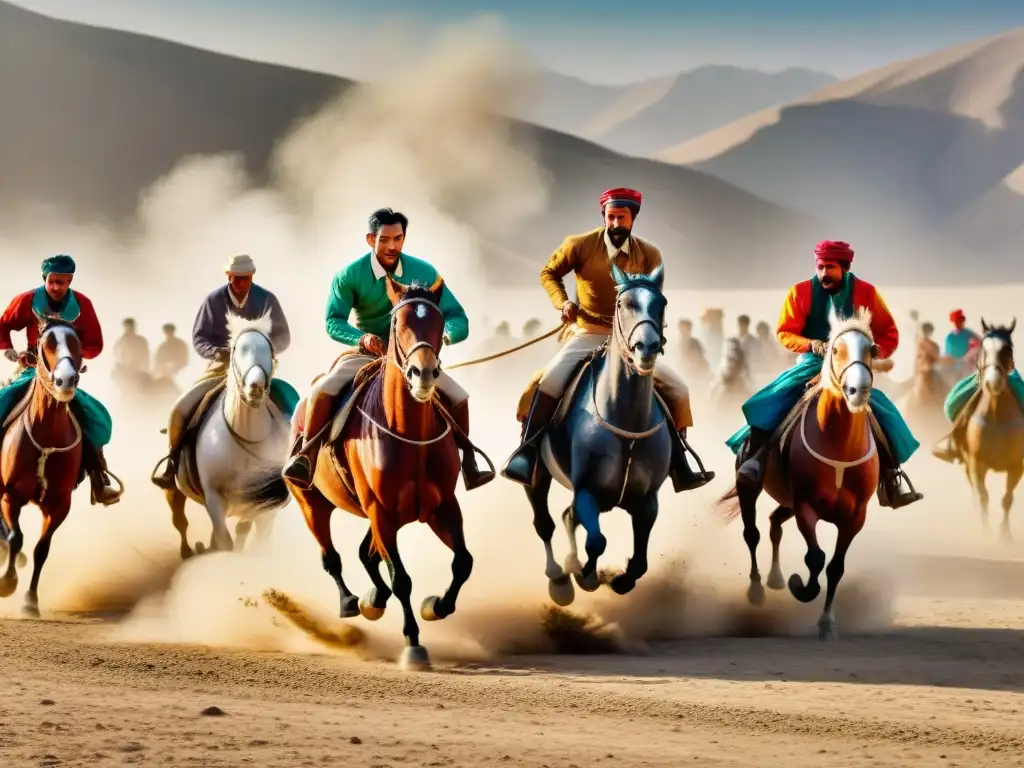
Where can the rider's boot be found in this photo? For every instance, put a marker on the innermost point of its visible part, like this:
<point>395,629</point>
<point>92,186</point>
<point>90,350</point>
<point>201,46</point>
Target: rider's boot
<point>167,480</point>
<point>522,464</point>
<point>683,476</point>
<point>300,467</point>
<point>755,458</point>
<point>102,492</point>
<point>895,489</point>
<point>472,475</point>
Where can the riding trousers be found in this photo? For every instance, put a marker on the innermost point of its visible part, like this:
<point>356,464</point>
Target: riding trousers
<point>92,416</point>
<point>559,372</point>
<point>348,365</point>
<point>768,407</point>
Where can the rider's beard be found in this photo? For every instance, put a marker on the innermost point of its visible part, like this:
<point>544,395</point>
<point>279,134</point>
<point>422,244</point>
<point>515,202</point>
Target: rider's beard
<point>830,285</point>
<point>618,235</point>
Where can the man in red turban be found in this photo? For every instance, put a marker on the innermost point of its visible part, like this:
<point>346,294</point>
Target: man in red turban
<point>958,340</point>
<point>804,328</point>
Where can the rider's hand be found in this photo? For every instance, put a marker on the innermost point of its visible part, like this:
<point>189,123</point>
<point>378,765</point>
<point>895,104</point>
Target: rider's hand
<point>569,311</point>
<point>11,354</point>
<point>818,348</point>
<point>373,345</point>
<point>222,355</point>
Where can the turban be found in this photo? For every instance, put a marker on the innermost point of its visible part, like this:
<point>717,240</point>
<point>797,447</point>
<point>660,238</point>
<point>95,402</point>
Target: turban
<point>621,197</point>
<point>957,316</point>
<point>61,264</point>
<point>833,250</point>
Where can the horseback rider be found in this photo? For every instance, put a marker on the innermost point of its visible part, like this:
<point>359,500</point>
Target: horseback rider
<point>171,356</point>
<point>958,341</point>
<point>131,352</point>
<point>590,256</point>
<point>239,296</point>
<point>56,299</point>
<point>360,287</point>
<point>803,328</point>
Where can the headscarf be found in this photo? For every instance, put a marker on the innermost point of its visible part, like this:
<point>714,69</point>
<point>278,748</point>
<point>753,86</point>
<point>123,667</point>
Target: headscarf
<point>61,264</point>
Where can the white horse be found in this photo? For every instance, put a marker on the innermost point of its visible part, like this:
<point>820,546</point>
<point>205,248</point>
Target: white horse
<point>242,431</point>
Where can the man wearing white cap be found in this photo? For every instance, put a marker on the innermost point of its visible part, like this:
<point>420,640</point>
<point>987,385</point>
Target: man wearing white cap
<point>239,296</point>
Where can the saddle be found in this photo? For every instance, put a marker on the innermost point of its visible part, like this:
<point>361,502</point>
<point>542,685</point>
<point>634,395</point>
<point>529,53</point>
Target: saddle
<point>526,399</point>
<point>189,438</point>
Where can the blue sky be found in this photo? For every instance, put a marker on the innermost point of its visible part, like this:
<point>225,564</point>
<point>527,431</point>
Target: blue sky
<point>599,40</point>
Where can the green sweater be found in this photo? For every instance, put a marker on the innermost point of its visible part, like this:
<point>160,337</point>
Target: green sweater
<point>357,288</point>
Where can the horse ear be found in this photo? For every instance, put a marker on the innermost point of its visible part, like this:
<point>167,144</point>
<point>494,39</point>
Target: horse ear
<point>984,326</point>
<point>621,278</point>
<point>657,276</point>
<point>833,317</point>
<point>395,289</point>
<point>1013,326</point>
<point>437,289</point>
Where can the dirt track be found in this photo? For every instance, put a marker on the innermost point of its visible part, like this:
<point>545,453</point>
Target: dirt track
<point>909,696</point>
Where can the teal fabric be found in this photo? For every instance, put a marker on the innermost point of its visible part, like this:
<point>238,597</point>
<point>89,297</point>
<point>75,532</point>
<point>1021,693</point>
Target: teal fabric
<point>68,311</point>
<point>817,325</point>
<point>958,343</point>
<point>767,408</point>
<point>284,396</point>
<point>965,389</point>
<point>62,264</point>
<point>92,416</point>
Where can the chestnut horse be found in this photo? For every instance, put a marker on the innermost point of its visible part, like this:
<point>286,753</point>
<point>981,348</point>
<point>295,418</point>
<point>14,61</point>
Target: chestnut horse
<point>395,462</point>
<point>41,453</point>
<point>825,468</point>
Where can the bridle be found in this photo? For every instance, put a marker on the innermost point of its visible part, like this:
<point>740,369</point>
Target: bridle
<point>997,366</point>
<point>835,381</point>
<point>41,366</point>
<point>622,338</point>
<point>239,375</point>
<point>401,356</point>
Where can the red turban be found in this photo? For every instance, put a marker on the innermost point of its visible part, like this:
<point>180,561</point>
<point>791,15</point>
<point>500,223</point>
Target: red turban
<point>833,250</point>
<point>621,197</point>
<point>957,316</point>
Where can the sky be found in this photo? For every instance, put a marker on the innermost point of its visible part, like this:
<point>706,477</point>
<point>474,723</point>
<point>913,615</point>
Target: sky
<point>603,41</point>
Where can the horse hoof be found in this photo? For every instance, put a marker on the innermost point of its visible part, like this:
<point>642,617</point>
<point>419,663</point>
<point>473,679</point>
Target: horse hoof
<point>186,552</point>
<point>805,594</point>
<point>827,631</point>
<point>776,580</point>
<point>8,586</point>
<point>572,565</point>
<point>587,583</point>
<point>369,611</point>
<point>415,659</point>
<point>755,593</point>
<point>22,559</point>
<point>561,591</point>
<point>429,609</point>
<point>200,548</point>
<point>350,607</point>
<point>30,611</point>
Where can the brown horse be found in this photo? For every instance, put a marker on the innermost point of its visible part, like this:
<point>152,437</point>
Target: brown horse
<point>993,440</point>
<point>41,453</point>
<point>825,467</point>
<point>395,461</point>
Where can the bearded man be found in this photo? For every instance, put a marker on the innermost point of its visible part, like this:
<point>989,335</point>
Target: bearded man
<point>590,256</point>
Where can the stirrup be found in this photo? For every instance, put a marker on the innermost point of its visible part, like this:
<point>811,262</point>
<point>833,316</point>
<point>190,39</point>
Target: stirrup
<point>103,474</point>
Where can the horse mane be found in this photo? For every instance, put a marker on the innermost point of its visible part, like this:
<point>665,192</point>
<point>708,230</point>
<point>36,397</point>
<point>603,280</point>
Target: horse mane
<point>1002,332</point>
<point>859,321</point>
<point>639,279</point>
<point>237,325</point>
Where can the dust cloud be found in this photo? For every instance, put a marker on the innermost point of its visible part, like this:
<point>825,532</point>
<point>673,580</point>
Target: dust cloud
<point>427,142</point>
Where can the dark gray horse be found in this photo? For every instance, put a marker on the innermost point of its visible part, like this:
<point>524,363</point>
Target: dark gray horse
<point>609,443</point>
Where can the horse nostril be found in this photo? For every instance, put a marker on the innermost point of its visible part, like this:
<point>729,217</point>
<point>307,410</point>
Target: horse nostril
<point>851,390</point>
<point>414,371</point>
<point>437,373</point>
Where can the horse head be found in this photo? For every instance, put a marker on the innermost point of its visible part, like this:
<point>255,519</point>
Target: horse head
<point>59,358</point>
<point>640,308</point>
<point>251,357</point>
<point>417,333</point>
<point>995,360</point>
<point>849,367</point>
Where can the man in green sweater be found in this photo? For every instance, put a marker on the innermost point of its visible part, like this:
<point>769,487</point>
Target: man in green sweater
<point>360,287</point>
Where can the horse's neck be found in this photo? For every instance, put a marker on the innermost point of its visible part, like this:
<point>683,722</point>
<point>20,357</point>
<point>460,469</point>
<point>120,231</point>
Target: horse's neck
<point>248,422</point>
<point>45,414</point>
<point>403,415</point>
<point>625,398</point>
<point>1001,408</point>
<point>843,435</point>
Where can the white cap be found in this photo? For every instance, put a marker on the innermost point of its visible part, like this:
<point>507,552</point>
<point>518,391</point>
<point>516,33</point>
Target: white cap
<point>240,265</point>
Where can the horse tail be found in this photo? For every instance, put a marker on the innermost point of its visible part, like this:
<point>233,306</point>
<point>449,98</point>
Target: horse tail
<point>263,489</point>
<point>729,504</point>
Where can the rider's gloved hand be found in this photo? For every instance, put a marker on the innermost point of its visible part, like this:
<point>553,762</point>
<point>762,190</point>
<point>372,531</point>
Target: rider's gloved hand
<point>11,354</point>
<point>372,345</point>
<point>818,348</point>
<point>222,355</point>
<point>569,311</point>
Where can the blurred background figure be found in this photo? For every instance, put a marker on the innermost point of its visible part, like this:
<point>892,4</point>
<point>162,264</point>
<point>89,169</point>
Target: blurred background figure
<point>171,356</point>
<point>131,357</point>
<point>712,321</point>
<point>958,342</point>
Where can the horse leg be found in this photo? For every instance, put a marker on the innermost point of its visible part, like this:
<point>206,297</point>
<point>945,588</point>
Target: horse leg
<point>264,528</point>
<point>446,523</point>
<point>778,518</point>
<point>317,510</point>
<point>560,587</point>
<point>220,537</point>
<point>414,656</point>
<point>643,519</point>
<point>176,501</point>
<point>1012,480</point>
<point>976,472</point>
<point>807,521</point>
<point>374,602</point>
<point>572,559</point>
<point>587,513</point>
<point>54,513</point>
<point>15,541</point>
<point>242,530</point>
<point>747,497</point>
<point>836,567</point>
<point>22,560</point>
